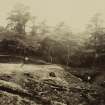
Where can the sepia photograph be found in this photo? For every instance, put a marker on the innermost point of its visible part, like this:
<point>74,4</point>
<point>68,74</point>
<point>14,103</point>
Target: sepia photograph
<point>52,52</point>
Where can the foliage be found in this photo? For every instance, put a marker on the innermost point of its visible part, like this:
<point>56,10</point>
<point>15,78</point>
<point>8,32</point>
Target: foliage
<point>18,18</point>
<point>54,44</point>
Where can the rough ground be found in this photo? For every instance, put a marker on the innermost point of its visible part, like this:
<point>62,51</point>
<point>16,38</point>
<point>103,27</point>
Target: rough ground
<point>33,85</point>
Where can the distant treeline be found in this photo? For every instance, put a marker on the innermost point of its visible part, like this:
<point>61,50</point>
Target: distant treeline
<point>53,44</point>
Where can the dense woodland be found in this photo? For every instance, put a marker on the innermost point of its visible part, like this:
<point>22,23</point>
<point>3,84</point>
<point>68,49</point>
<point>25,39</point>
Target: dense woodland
<point>24,36</point>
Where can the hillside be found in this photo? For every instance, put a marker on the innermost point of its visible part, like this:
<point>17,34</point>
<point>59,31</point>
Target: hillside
<point>45,85</point>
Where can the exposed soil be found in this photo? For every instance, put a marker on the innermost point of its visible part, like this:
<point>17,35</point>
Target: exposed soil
<point>50,85</point>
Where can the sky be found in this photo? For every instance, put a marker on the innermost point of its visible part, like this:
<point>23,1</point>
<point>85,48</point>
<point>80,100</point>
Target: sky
<point>75,13</point>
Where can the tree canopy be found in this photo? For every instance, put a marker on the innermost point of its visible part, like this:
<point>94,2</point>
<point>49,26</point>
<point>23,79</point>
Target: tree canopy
<point>18,18</point>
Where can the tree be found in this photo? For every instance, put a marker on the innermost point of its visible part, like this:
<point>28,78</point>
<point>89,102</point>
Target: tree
<point>2,29</point>
<point>43,28</point>
<point>34,27</point>
<point>97,31</point>
<point>63,34</point>
<point>96,43</point>
<point>60,45</point>
<point>18,18</point>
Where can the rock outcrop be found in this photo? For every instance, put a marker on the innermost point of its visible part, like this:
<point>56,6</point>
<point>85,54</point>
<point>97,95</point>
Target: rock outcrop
<point>32,85</point>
